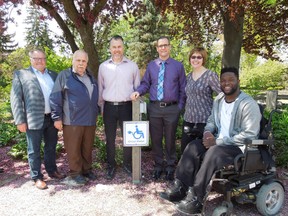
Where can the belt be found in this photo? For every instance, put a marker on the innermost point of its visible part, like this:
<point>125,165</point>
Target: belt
<point>117,103</point>
<point>47,114</point>
<point>164,104</point>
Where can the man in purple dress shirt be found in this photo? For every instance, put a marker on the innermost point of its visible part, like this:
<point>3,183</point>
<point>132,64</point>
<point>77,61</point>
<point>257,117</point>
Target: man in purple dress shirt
<point>163,113</point>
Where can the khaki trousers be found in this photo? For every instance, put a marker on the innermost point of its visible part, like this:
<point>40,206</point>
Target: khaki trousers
<point>78,142</point>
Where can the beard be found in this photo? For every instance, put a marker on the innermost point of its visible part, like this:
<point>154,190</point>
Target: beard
<point>232,91</point>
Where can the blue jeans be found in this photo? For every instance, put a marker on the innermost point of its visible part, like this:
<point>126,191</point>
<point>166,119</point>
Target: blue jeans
<point>34,139</point>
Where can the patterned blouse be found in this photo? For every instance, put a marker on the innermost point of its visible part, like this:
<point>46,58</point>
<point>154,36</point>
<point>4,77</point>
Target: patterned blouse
<point>199,96</point>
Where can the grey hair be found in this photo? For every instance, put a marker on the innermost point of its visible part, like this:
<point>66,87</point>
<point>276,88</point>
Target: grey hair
<point>36,50</point>
<point>81,51</point>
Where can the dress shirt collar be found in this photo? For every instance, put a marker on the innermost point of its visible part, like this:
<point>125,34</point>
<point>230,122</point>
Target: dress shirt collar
<point>124,60</point>
<point>159,61</point>
<point>36,71</point>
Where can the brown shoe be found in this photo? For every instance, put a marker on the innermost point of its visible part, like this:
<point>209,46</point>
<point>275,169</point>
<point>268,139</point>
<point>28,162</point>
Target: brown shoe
<point>56,175</point>
<point>40,184</point>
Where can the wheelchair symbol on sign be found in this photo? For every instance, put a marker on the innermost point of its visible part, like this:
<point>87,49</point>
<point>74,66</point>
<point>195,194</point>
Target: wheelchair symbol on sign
<point>137,134</point>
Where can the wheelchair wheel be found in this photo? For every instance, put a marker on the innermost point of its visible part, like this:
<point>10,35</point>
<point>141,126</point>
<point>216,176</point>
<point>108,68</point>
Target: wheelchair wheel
<point>270,198</point>
<point>220,211</point>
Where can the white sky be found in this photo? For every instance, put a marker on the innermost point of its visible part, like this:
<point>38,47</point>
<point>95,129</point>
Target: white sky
<point>19,25</point>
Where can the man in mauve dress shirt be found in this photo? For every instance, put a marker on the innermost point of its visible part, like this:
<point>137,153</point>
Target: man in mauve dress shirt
<point>164,113</point>
<point>118,77</point>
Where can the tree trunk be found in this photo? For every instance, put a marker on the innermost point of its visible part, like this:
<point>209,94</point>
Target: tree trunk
<point>66,31</point>
<point>88,39</point>
<point>93,64</point>
<point>86,34</point>
<point>85,29</point>
<point>233,37</point>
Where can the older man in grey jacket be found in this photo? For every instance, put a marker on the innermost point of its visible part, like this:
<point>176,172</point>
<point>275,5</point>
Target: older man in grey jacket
<point>235,117</point>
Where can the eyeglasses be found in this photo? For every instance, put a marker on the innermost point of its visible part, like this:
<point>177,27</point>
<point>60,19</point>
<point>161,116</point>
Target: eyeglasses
<point>196,57</point>
<point>163,46</point>
<point>38,59</point>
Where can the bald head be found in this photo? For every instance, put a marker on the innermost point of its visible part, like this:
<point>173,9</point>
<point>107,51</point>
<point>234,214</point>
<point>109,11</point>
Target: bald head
<point>80,61</point>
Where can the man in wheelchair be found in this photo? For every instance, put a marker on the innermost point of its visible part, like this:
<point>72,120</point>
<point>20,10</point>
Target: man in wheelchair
<point>235,118</point>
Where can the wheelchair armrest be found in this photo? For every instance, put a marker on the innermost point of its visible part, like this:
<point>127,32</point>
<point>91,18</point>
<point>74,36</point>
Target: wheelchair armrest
<point>259,142</point>
<point>236,161</point>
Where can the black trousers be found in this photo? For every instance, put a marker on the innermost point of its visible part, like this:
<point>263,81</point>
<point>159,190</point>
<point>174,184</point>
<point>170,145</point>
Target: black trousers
<point>114,115</point>
<point>198,164</point>
<point>198,129</point>
<point>163,122</point>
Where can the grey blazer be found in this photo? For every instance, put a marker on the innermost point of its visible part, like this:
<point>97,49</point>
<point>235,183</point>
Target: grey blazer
<point>27,100</point>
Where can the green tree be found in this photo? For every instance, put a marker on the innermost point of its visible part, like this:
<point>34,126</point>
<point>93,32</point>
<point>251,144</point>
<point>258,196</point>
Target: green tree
<point>15,60</point>
<point>244,23</point>
<point>148,25</point>
<point>37,32</point>
<point>105,32</point>
<point>248,61</point>
<point>141,30</point>
<point>55,62</point>
<point>265,76</point>
<point>7,45</point>
<point>20,59</point>
<point>82,16</point>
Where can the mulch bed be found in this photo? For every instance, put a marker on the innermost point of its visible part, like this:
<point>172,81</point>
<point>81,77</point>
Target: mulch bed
<point>102,197</point>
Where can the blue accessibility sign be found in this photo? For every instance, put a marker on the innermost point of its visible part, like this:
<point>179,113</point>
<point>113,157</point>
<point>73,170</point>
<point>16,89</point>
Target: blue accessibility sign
<point>136,133</point>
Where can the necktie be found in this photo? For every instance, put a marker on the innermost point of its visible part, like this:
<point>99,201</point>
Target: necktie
<point>160,90</point>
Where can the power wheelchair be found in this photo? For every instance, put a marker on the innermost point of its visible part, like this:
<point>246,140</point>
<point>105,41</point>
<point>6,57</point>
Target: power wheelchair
<point>252,178</point>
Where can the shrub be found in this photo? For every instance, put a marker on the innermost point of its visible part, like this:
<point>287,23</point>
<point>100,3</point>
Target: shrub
<point>7,132</point>
<point>280,132</point>
<point>101,149</point>
<point>19,150</point>
<point>100,145</point>
<point>265,76</point>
